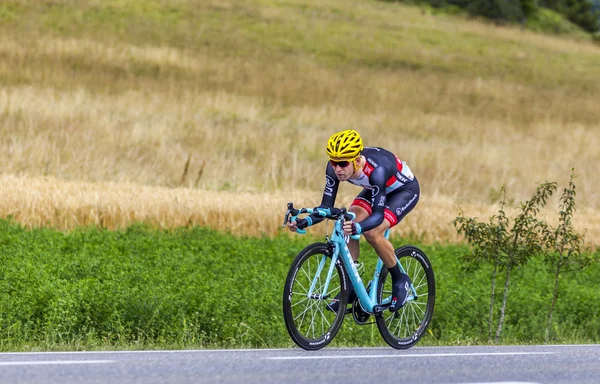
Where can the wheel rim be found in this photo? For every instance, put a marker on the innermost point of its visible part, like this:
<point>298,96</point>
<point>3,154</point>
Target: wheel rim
<point>406,323</point>
<point>311,319</point>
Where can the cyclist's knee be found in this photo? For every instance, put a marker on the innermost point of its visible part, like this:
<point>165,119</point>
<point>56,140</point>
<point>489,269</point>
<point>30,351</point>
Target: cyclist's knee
<point>369,236</point>
<point>360,212</point>
<point>374,236</point>
<point>377,235</point>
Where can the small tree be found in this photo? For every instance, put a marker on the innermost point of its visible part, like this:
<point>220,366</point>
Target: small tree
<point>562,245</point>
<point>503,246</point>
<point>582,13</point>
<point>487,241</point>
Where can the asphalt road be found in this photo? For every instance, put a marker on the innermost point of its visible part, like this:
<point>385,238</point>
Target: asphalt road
<point>578,364</point>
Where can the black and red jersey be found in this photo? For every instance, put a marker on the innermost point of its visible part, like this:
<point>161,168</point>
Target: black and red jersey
<point>382,174</point>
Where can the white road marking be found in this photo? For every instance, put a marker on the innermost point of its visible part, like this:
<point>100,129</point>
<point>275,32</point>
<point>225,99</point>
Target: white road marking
<point>171,351</point>
<point>175,351</point>
<point>55,362</point>
<point>506,382</point>
<point>407,355</point>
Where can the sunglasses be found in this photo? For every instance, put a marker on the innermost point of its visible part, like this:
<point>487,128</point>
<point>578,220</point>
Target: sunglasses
<point>341,164</point>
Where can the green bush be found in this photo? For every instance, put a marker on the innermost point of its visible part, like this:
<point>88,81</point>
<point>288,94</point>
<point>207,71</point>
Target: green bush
<point>552,22</point>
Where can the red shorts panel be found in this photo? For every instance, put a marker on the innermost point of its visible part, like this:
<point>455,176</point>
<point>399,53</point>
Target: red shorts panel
<point>387,214</point>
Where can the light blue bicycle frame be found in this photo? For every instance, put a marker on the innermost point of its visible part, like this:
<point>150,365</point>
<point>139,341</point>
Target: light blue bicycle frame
<point>368,300</point>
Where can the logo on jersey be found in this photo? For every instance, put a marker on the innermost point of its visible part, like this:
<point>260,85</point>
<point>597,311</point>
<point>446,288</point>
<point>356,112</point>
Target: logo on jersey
<point>329,180</point>
<point>329,183</point>
<point>401,209</point>
<point>372,162</point>
<point>374,190</point>
<point>400,177</point>
<point>374,193</point>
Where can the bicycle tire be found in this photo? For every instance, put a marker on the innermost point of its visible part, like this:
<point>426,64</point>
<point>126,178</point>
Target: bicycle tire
<point>310,325</point>
<point>404,328</point>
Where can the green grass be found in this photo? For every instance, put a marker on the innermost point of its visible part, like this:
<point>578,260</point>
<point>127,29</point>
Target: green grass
<point>196,288</point>
<point>191,287</point>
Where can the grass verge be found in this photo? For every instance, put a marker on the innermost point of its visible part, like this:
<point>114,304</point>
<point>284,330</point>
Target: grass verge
<point>197,288</point>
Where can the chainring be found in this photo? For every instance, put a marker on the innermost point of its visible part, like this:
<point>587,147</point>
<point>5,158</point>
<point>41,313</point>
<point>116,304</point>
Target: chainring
<point>360,316</point>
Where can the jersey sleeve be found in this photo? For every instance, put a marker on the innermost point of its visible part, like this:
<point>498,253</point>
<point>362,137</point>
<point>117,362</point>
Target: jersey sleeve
<point>378,198</point>
<point>329,193</point>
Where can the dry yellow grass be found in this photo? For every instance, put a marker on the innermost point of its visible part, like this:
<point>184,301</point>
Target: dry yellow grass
<point>242,145</point>
<point>36,202</point>
<point>93,118</point>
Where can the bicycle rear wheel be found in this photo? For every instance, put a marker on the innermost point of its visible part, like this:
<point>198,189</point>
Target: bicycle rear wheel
<point>308,321</point>
<point>404,328</point>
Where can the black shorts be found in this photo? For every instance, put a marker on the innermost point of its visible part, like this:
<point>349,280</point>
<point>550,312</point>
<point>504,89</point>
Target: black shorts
<point>398,203</point>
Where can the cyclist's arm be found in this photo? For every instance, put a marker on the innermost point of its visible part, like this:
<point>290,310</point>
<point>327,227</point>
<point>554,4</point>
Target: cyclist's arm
<point>329,194</point>
<point>377,180</point>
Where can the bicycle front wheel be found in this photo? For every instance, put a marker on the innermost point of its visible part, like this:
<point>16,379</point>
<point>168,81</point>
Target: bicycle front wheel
<point>307,318</point>
<point>404,328</point>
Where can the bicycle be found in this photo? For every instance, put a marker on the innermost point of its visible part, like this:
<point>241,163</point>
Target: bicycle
<point>322,270</point>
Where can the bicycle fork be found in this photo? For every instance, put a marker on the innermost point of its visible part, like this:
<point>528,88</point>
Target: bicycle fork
<point>314,282</point>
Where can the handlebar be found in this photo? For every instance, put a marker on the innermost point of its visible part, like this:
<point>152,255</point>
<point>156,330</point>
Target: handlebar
<point>328,213</point>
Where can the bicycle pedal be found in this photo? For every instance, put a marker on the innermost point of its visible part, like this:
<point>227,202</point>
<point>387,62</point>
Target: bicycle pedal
<point>380,308</point>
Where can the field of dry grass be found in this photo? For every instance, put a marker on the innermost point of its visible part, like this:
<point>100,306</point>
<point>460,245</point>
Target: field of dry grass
<point>46,201</point>
<point>194,112</point>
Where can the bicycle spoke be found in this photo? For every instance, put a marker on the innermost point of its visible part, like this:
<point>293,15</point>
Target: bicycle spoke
<point>305,289</point>
<point>421,306</point>
<point>308,307</point>
<point>405,327</point>
<point>309,314</point>
<point>419,280</point>
<point>407,319</point>
<point>304,299</point>
<point>307,294</point>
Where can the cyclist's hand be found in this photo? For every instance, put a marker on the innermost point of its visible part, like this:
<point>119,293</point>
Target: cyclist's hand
<point>292,226</point>
<point>351,228</point>
<point>298,224</point>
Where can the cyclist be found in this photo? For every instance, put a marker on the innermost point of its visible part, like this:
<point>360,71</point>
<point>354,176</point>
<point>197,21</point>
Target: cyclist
<point>390,192</point>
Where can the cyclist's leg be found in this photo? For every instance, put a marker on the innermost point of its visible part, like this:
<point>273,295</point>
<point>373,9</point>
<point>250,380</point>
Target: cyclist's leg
<point>383,247</point>
<point>353,245</point>
<point>361,206</point>
<point>399,204</point>
<point>385,251</point>
<point>376,236</point>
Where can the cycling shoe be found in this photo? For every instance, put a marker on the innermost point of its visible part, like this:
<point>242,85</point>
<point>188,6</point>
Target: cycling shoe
<point>400,293</point>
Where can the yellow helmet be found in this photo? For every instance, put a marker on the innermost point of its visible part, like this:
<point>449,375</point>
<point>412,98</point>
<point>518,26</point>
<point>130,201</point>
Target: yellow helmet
<point>344,145</point>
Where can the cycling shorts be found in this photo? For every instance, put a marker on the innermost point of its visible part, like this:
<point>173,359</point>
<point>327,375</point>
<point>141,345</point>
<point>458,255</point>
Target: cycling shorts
<point>397,205</point>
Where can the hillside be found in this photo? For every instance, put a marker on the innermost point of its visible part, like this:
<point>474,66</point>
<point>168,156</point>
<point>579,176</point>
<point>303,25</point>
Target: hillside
<point>217,98</point>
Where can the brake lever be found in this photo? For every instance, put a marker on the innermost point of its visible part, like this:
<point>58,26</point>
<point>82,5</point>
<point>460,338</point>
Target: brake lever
<point>286,220</point>
<point>294,214</point>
